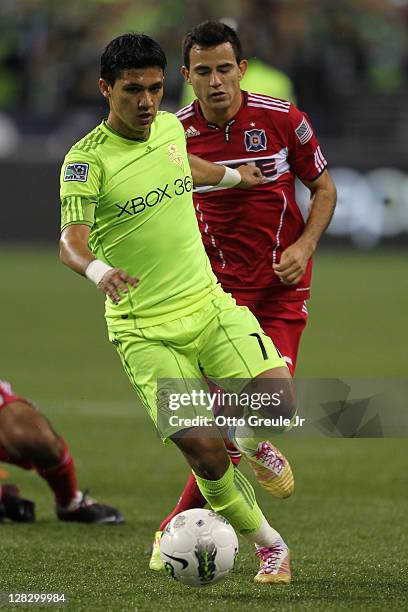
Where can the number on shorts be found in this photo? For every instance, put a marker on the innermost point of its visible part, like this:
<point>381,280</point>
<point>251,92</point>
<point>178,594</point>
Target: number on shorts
<point>261,345</point>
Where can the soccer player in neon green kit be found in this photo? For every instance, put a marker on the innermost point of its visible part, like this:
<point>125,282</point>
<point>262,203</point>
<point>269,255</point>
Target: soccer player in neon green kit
<point>129,225</point>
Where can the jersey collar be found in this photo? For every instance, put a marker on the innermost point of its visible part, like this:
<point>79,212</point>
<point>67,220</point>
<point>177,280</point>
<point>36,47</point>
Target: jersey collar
<point>123,139</point>
<point>203,121</point>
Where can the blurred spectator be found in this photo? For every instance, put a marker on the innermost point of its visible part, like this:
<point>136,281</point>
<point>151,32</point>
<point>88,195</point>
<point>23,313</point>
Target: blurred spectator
<point>9,136</point>
<point>338,53</point>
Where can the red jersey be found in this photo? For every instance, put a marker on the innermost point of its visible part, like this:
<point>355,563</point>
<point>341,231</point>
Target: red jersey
<point>7,395</point>
<point>245,231</point>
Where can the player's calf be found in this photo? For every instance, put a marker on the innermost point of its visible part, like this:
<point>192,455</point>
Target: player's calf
<point>27,435</point>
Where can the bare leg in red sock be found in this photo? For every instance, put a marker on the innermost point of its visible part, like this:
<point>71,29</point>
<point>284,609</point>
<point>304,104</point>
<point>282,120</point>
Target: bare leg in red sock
<point>28,441</point>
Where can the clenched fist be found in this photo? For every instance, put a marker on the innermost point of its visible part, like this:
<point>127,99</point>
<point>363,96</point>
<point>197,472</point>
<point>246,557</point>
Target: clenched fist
<point>251,176</point>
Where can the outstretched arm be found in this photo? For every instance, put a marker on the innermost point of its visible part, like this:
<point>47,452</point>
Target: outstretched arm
<point>294,259</point>
<point>206,173</point>
<point>76,254</point>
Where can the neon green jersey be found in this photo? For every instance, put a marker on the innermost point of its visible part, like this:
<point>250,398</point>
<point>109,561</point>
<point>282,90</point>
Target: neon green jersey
<point>136,197</point>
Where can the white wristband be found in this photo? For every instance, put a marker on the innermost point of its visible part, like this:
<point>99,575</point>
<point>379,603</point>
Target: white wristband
<point>230,179</point>
<point>96,270</point>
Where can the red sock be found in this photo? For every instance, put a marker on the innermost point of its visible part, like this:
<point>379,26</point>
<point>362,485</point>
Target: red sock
<point>61,478</point>
<point>190,498</point>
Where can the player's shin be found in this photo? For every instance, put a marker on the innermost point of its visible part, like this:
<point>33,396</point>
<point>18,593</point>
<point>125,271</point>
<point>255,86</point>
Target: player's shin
<point>233,497</point>
<point>61,477</point>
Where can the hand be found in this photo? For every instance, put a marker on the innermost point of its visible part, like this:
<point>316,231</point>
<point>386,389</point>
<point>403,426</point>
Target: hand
<point>293,263</point>
<point>251,176</point>
<point>116,281</point>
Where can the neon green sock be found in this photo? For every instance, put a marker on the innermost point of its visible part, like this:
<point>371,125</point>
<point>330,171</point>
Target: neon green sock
<point>234,498</point>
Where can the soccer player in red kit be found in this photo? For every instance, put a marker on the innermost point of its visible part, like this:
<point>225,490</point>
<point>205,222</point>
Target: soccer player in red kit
<point>28,441</point>
<point>258,243</point>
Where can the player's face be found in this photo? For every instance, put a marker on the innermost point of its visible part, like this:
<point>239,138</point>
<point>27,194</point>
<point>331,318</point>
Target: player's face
<point>215,77</point>
<point>134,100</point>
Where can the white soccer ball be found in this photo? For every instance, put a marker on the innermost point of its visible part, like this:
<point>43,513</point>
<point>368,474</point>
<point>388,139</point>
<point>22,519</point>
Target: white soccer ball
<point>198,547</point>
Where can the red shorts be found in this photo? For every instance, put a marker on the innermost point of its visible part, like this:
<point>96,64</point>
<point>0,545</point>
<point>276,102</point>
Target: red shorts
<point>282,321</point>
<point>7,396</point>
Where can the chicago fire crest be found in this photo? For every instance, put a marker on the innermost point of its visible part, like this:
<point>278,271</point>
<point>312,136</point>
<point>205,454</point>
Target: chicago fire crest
<point>255,140</point>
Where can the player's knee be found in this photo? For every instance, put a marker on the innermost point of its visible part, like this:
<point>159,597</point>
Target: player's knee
<point>287,399</point>
<point>13,429</point>
<point>273,397</point>
<point>207,456</point>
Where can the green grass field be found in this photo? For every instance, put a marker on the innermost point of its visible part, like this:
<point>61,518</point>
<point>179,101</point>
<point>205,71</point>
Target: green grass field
<point>346,523</point>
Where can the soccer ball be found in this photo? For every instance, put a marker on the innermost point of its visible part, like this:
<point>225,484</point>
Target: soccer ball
<point>198,547</point>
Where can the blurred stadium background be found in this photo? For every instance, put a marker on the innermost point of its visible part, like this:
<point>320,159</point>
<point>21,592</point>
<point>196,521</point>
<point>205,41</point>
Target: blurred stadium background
<point>348,63</point>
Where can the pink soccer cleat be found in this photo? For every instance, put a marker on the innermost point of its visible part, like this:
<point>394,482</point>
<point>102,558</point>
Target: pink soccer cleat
<point>274,567</point>
<point>272,470</point>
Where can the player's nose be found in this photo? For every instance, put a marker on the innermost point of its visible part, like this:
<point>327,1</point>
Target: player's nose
<point>215,80</point>
<point>146,101</point>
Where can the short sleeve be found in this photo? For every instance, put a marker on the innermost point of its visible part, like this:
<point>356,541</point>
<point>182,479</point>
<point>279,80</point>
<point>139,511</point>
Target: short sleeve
<point>77,210</point>
<point>79,188</point>
<point>305,155</point>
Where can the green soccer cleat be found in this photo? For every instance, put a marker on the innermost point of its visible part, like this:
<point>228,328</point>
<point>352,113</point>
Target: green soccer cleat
<point>155,563</point>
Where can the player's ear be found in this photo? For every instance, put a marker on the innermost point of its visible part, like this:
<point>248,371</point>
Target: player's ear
<point>104,88</point>
<point>186,74</point>
<point>243,65</point>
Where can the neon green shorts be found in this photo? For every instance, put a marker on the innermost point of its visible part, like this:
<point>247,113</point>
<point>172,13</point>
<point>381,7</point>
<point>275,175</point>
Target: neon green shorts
<point>222,341</point>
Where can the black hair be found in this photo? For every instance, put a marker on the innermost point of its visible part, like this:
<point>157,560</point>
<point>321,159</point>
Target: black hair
<point>210,34</point>
<point>130,51</point>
